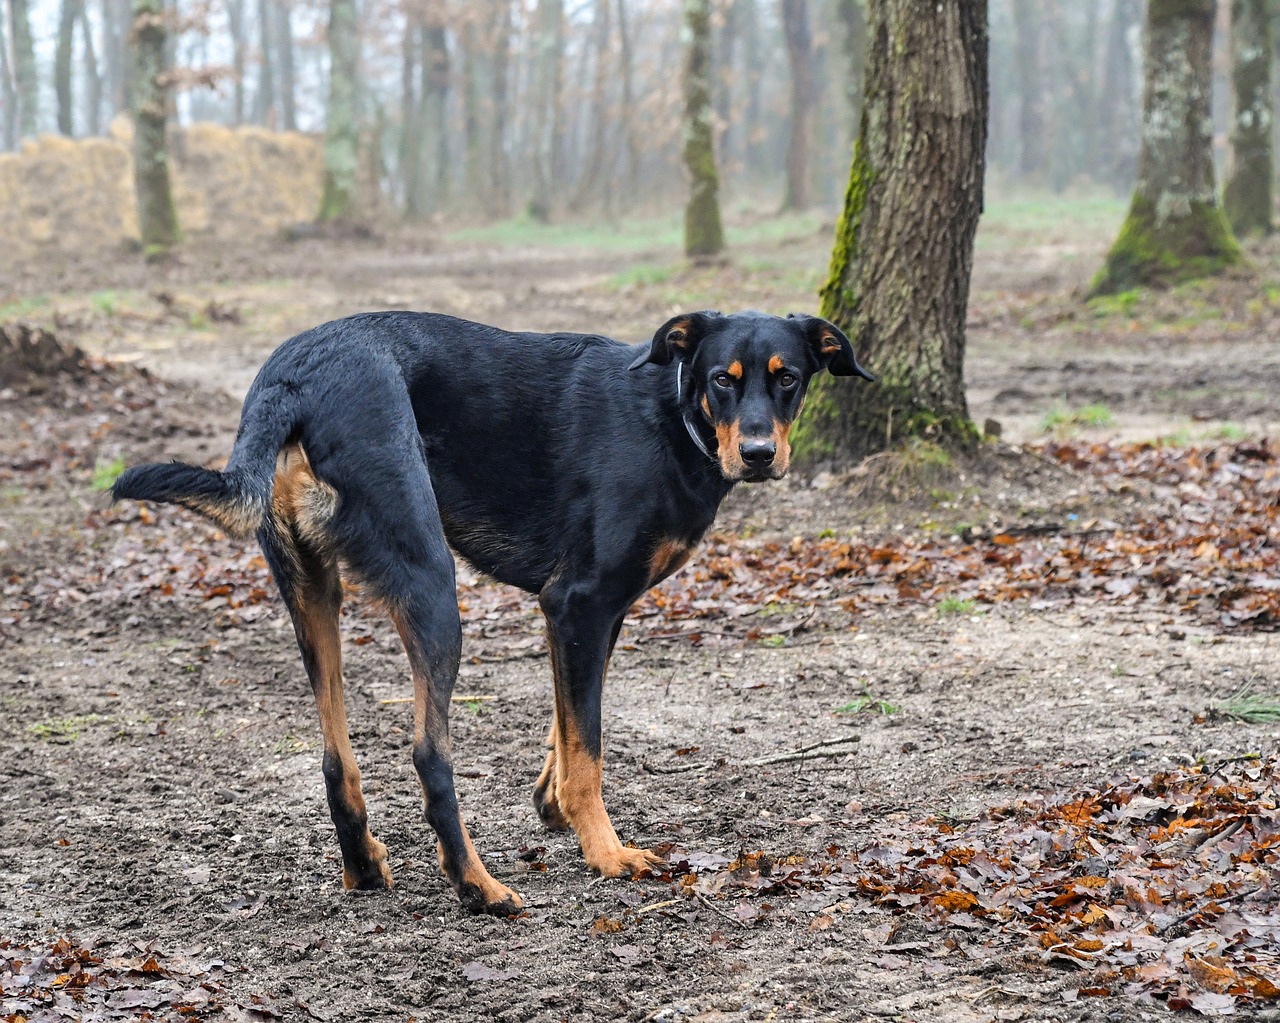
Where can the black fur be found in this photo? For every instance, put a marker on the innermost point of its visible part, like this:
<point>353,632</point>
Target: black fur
<point>568,465</point>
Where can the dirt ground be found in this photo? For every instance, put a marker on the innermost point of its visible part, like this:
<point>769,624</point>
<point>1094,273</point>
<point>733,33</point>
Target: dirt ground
<point>162,793</point>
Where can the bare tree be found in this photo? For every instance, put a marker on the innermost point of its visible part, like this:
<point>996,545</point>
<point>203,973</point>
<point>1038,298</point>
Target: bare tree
<point>157,215</point>
<point>548,41</point>
<point>24,68</point>
<point>1246,199</point>
<point>62,65</point>
<point>341,134</point>
<point>703,233</point>
<point>1027,17</point>
<point>284,43</point>
<point>1175,229</point>
<point>8,91</point>
<point>264,100</point>
<point>899,282</point>
<point>236,28</point>
<point>795,26</point>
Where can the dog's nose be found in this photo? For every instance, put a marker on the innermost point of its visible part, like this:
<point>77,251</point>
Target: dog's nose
<point>757,453</point>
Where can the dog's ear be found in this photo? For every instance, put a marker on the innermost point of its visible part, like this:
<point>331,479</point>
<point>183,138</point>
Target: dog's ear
<point>676,339</point>
<point>831,346</point>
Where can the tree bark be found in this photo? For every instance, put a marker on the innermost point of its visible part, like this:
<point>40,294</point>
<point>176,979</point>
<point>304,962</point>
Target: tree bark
<point>341,135</point>
<point>157,215</point>
<point>900,268</point>
<point>1175,230</point>
<point>1246,199</point>
<point>235,26</point>
<point>795,26</point>
<point>62,66</point>
<point>703,232</point>
<point>8,93</point>
<point>631,162</point>
<point>93,98</point>
<point>1117,113</point>
<point>499,165</point>
<point>430,186</point>
<point>264,100</point>
<point>1026,17</point>
<point>597,124</point>
<point>547,82</point>
<point>852,19</point>
<point>288,88</point>
<point>24,69</point>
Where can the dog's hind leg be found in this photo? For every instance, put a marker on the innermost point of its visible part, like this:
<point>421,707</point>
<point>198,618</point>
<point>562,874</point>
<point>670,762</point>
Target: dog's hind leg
<point>307,576</point>
<point>544,790</point>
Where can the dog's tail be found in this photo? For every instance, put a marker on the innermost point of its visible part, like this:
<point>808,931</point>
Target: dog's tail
<point>237,498</point>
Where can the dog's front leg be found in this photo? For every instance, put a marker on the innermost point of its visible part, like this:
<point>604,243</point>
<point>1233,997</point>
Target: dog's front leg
<point>581,632</point>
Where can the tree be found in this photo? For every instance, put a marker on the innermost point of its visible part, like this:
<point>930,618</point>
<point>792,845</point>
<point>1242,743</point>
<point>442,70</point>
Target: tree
<point>62,64</point>
<point>1246,199</point>
<point>1116,109</point>
<point>852,20</point>
<point>157,215</point>
<point>703,232</point>
<point>1175,229</point>
<point>795,27</point>
<point>548,44</point>
<point>1026,18</point>
<point>24,68</point>
<point>341,136</point>
<point>900,268</point>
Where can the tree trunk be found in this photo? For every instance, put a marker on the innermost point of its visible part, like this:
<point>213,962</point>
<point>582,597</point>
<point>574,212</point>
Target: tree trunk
<point>408,112</point>
<point>157,216</point>
<point>62,66</point>
<point>235,26</point>
<point>597,125</point>
<point>1026,17</point>
<point>341,136</point>
<point>548,48</point>
<point>8,93</point>
<point>24,69</point>
<point>288,89</point>
<point>117,17</point>
<point>900,268</point>
<point>1246,200</point>
<point>631,164</point>
<point>1117,114</point>
<point>264,100</point>
<point>703,233</point>
<point>474,71</point>
<point>93,99</point>
<point>725,57</point>
<point>853,43</point>
<point>795,26</point>
<point>430,186</point>
<point>499,165</point>
<point>1175,230</point>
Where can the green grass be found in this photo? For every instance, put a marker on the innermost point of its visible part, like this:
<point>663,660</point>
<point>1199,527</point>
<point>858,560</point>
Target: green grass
<point>62,729</point>
<point>22,307</point>
<point>1122,303</point>
<point>1250,707</point>
<point>106,473</point>
<point>644,275</point>
<point>1064,421</point>
<point>957,606</point>
<point>106,302</point>
<point>1034,218</point>
<point>868,701</point>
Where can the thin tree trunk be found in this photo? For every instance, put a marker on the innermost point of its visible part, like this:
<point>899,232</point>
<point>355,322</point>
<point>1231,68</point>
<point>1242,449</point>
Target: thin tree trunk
<point>547,80</point>
<point>62,67</point>
<point>853,31</point>
<point>1117,112</point>
<point>288,87</point>
<point>264,100</point>
<point>753,60</point>
<point>1246,200</point>
<point>703,233</point>
<point>117,17</point>
<point>157,215</point>
<point>93,98</point>
<point>8,93</point>
<point>475,69</point>
<point>24,69</point>
<point>900,268</point>
<point>725,57</point>
<point>499,165</point>
<point>341,134</point>
<point>235,25</point>
<point>795,26</point>
<point>408,113</point>
<point>631,165</point>
<point>1026,17</point>
<point>431,182</point>
<point>597,126</point>
<point>1175,230</point>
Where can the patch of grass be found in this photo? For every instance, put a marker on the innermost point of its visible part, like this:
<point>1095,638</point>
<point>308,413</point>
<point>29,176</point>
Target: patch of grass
<point>868,701</point>
<point>475,706</point>
<point>957,606</point>
<point>1250,707</point>
<point>1122,303</point>
<point>643,274</point>
<point>925,454</point>
<point>106,302</point>
<point>62,730</point>
<point>290,744</point>
<point>1061,420</point>
<point>774,641</point>
<point>106,473</point>
<point>1232,432</point>
<point>16,310</point>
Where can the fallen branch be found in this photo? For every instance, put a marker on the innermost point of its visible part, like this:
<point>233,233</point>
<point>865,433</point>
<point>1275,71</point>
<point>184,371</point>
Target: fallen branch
<point>455,698</point>
<point>826,749</point>
<point>1205,905</point>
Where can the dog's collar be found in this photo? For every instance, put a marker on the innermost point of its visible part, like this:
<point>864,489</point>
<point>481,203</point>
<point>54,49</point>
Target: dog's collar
<point>688,425</point>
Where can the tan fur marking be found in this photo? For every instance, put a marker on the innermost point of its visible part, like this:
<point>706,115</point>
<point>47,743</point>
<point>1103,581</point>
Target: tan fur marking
<point>578,783</point>
<point>728,437</point>
<point>706,408</point>
<point>775,364</point>
<point>678,334</point>
<point>239,518</point>
<point>299,500</point>
<point>828,344</point>
<point>735,370</point>
<point>547,779</point>
<point>782,444</point>
<point>667,557</point>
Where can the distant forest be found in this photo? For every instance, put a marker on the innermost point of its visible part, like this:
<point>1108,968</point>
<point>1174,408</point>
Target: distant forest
<point>463,106</point>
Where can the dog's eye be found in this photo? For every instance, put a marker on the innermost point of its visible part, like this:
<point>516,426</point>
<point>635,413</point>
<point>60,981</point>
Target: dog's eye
<point>723,380</point>
<point>788,380</point>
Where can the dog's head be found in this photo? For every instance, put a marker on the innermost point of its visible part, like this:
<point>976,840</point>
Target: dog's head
<point>746,377</point>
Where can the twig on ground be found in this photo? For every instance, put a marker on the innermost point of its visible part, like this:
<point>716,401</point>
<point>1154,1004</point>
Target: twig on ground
<point>455,698</point>
<point>816,751</point>
<point>1205,905</point>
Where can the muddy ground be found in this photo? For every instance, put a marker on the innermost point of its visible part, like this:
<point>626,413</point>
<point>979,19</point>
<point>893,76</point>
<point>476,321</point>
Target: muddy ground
<point>162,791</point>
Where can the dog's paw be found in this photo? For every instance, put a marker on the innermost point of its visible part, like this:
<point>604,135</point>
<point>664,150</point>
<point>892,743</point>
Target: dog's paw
<point>372,874</point>
<point>493,898</point>
<point>624,862</point>
<point>549,811</point>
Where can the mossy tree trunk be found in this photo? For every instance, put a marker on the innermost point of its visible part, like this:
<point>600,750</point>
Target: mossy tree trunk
<point>157,215</point>
<point>341,134</point>
<point>795,26</point>
<point>703,232</point>
<point>1246,199</point>
<point>1175,230</point>
<point>899,281</point>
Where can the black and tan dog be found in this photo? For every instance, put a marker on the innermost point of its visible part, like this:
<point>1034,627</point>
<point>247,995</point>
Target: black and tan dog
<point>569,465</point>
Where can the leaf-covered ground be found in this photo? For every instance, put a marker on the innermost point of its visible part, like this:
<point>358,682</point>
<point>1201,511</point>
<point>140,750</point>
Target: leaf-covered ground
<point>991,745</point>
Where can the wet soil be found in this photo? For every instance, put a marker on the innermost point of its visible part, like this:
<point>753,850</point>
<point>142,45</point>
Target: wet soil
<point>161,762</point>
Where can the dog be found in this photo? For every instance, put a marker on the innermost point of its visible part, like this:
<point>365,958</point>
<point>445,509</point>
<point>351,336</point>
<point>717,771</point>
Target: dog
<point>577,468</point>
